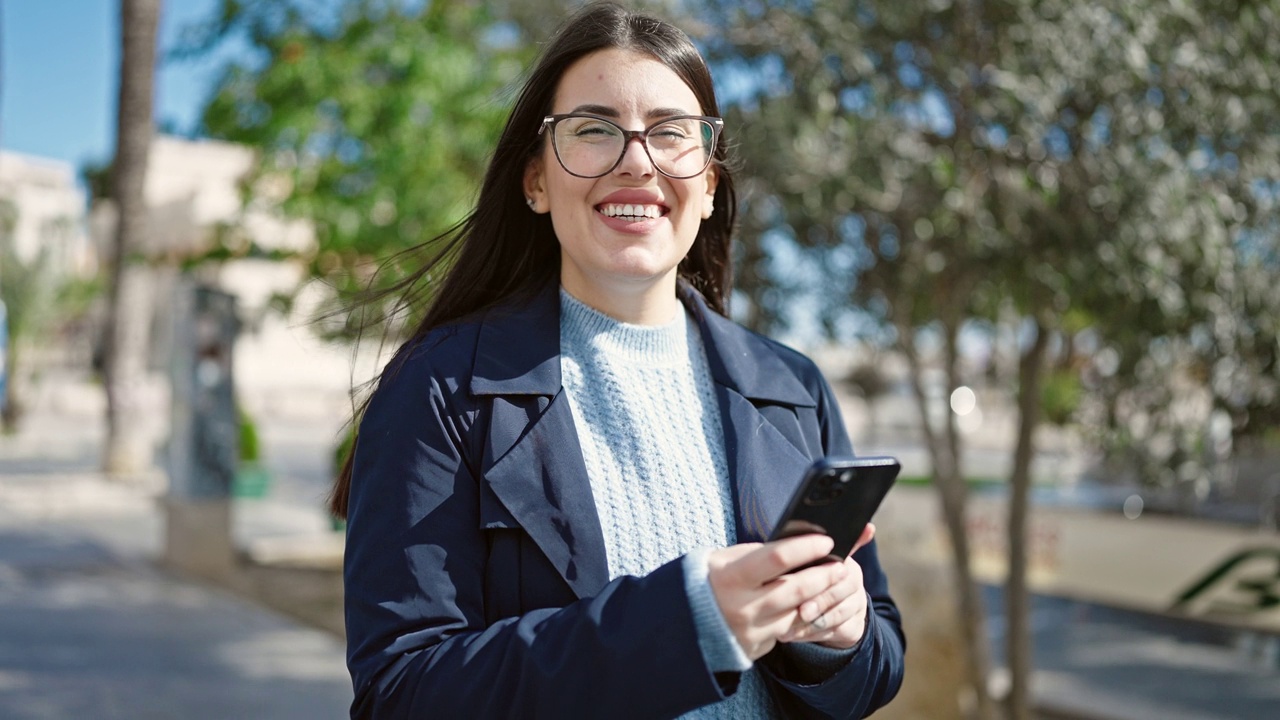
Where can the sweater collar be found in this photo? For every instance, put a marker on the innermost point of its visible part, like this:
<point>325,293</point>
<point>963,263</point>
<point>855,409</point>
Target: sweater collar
<point>518,351</point>
<point>583,327</point>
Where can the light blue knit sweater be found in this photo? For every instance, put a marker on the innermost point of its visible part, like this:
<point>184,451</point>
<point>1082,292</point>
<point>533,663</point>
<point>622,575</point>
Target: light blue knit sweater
<point>645,410</point>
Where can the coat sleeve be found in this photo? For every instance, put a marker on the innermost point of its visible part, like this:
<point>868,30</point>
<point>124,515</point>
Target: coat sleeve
<point>418,642</point>
<point>874,673</point>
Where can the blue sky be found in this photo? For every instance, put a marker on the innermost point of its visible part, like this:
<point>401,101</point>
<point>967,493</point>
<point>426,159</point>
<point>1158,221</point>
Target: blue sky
<point>58,78</point>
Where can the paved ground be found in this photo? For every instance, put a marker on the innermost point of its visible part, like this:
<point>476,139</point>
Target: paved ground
<point>1099,662</point>
<point>91,627</point>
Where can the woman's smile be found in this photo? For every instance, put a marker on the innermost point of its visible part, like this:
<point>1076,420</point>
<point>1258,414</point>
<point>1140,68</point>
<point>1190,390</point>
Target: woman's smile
<point>632,211</point>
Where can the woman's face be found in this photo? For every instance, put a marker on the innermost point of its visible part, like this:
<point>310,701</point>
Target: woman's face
<point>609,252</point>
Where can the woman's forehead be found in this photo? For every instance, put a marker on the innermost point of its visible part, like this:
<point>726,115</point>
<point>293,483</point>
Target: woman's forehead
<point>624,83</point>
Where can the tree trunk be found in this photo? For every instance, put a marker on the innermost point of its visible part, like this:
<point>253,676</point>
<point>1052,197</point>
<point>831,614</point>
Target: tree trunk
<point>1017,599</point>
<point>126,339</point>
<point>944,454</point>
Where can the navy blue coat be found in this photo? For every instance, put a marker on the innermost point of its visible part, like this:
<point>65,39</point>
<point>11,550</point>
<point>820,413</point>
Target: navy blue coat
<point>476,578</point>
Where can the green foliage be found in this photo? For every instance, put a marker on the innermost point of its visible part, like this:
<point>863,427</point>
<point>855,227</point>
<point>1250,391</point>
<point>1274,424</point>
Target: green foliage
<point>252,478</point>
<point>76,296</point>
<point>39,305</point>
<point>976,483</point>
<point>250,448</point>
<point>343,449</point>
<point>341,452</point>
<point>97,177</point>
<point>26,284</point>
<point>230,243</point>
<point>968,165</point>
<point>28,291</point>
<point>374,122</point>
<point>1060,396</point>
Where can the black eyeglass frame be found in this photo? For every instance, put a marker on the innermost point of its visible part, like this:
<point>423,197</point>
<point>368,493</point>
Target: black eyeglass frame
<point>717,126</point>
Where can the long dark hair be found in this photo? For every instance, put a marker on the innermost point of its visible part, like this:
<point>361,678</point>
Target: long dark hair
<point>502,250</point>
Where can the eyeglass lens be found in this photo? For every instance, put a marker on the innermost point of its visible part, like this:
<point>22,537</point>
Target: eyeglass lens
<point>591,147</point>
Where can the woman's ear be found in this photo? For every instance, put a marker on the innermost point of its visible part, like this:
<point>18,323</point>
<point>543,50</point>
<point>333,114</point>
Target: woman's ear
<point>709,200</point>
<point>535,194</point>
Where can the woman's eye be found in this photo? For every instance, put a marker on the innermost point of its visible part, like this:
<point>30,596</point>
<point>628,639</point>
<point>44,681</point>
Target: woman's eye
<point>595,129</point>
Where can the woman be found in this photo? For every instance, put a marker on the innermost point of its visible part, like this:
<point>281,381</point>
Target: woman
<point>562,482</point>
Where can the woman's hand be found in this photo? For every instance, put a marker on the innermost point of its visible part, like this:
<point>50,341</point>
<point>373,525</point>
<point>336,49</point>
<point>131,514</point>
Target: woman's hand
<point>836,618</point>
<point>764,605</point>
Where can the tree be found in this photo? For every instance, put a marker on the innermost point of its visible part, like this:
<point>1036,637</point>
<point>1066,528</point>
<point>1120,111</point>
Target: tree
<point>126,338</point>
<point>26,295</point>
<point>1006,168</point>
<point>374,122</point>
<point>1189,372</point>
<point>36,304</point>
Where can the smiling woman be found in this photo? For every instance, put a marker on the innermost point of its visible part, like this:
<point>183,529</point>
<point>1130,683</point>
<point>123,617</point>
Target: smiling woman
<point>562,483</point>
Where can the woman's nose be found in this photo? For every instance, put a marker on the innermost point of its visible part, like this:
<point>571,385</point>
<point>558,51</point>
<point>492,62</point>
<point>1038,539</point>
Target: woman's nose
<point>635,158</point>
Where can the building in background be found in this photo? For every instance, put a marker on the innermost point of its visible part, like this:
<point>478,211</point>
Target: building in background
<point>49,210</point>
<point>195,191</point>
<point>44,245</point>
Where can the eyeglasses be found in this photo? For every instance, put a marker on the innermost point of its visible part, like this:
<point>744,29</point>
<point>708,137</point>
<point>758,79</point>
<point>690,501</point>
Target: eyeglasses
<point>590,146</point>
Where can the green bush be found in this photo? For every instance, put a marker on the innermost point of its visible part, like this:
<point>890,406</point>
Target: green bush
<point>252,479</point>
<point>250,448</point>
<point>1060,396</point>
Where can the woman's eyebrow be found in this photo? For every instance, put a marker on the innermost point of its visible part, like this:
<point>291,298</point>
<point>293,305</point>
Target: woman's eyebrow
<point>607,111</point>
<point>657,113</point>
<point>604,110</point>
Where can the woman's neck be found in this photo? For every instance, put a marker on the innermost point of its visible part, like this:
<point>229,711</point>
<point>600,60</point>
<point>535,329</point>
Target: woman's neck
<point>639,303</point>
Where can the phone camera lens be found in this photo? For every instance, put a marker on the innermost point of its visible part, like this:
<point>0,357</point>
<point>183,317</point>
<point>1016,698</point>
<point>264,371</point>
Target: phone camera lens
<point>824,495</point>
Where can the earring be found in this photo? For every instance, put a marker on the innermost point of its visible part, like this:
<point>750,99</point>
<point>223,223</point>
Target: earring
<point>529,201</point>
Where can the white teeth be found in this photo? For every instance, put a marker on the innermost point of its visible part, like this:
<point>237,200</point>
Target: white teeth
<point>631,211</point>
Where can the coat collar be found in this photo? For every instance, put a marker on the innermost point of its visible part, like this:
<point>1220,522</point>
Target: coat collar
<point>533,461</point>
<point>740,360</point>
<point>518,348</point>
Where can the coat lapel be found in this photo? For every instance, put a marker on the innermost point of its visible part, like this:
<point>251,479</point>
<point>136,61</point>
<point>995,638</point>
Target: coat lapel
<point>533,461</point>
<point>764,465</point>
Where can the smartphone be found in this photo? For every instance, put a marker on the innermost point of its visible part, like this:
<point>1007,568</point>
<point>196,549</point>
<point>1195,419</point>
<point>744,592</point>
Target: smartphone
<point>837,497</point>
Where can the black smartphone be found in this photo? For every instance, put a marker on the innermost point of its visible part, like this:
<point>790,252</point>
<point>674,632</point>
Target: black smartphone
<point>837,497</point>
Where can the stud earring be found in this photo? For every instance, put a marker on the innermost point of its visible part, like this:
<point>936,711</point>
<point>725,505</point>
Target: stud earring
<point>529,201</point>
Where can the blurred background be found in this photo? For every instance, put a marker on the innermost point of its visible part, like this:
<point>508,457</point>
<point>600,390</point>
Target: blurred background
<point>1035,246</point>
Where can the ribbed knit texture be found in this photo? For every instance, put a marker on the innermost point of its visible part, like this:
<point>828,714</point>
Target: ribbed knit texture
<point>645,409</point>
